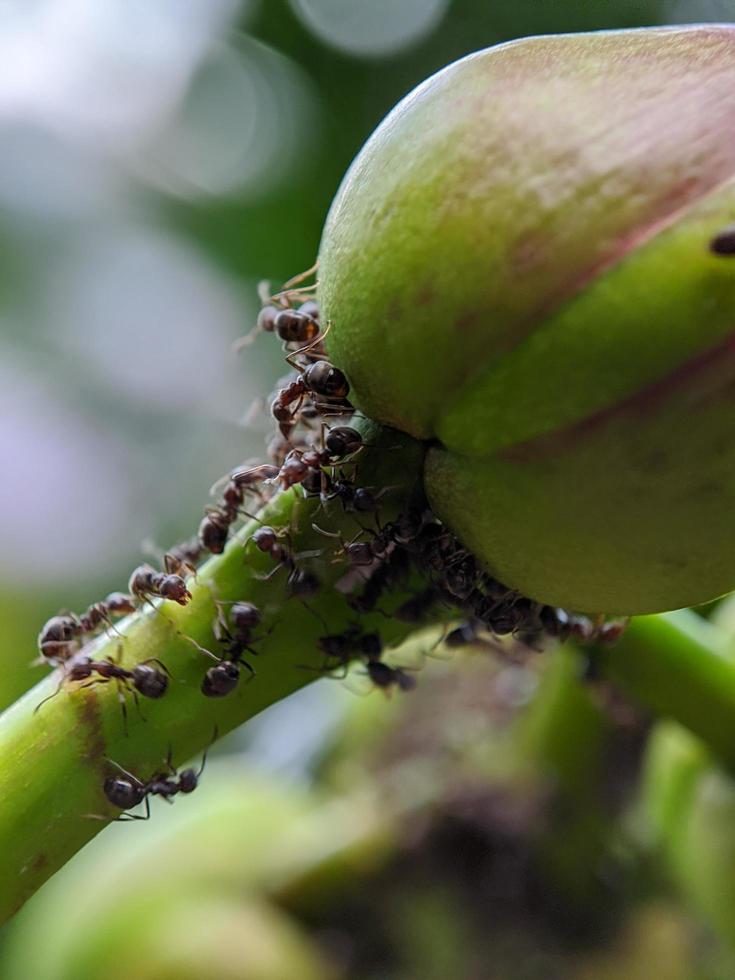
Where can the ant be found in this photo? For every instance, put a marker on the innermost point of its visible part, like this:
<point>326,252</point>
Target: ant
<point>59,637</point>
<point>387,678</point>
<point>215,526</point>
<point>128,791</point>
<point>319,378</point>
<point>145,582</point>
<point>224,677</point>
<point>352,498</point>
<point>299,582</point>
<point>358,553</point>
<point>391,571</point>
<point>279,303</point>
<point>338,443</point>
<point>145,679</point>
<point>342,647</point>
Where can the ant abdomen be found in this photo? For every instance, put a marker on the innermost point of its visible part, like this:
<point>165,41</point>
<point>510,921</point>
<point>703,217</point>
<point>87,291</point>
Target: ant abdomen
<point>221,680</point>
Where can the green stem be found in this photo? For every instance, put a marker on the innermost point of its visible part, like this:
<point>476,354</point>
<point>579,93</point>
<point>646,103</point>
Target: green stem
<point>53,762</point>
<point>675,665</point>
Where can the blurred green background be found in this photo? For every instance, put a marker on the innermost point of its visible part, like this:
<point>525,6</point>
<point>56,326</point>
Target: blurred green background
<point>158,160</point>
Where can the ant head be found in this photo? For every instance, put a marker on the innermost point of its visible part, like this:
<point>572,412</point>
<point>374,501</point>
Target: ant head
<point>123,793</point>
<point>174,587</point>
<point>149,681</point>
<point>188,780</point>
<point>245,615</point>
<point>221,679</point>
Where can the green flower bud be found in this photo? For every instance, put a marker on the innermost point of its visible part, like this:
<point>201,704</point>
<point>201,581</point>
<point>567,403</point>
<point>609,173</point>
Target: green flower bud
<point>518,267</point>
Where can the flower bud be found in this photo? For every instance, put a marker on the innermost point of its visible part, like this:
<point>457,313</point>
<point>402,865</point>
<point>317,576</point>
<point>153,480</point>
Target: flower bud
<point>521,267</point>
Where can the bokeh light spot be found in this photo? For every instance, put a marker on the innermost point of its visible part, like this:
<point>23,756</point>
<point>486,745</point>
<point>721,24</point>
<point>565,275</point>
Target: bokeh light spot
<point>370,28</point>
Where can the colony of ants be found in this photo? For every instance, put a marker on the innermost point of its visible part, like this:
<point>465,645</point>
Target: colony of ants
<point>314,453</point>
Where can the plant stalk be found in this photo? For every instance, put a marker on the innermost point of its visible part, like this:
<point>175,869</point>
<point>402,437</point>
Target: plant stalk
<point>54,760</point>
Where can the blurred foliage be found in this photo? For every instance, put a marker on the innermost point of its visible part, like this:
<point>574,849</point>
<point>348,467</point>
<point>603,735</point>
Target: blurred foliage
<point>419,850</point>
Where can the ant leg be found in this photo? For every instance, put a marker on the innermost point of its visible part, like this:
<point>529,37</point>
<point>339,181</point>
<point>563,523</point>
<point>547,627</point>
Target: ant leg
<point>124,817</point>
<point>314,613</point>
<point>215,735</point>
<point>159,663</point>
<point>328,534</point>
<point>168,761</point>
<point>124,710</point>
<point>136,701</point>
<point>271,573</point>
<point>199,647</point>
<point>295,280</point>
<point>310,346</point>
<point>57,691</point>
<point>300,555</point>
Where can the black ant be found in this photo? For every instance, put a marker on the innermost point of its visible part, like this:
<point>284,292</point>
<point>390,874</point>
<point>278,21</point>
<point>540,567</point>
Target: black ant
<point>299,582</point>
<point>224,677</point>
<point>319,378</point>
<point>358,553</point>
<point>128,791</point>
<point>145,679</point>
<point>304,466</point>
<point>279,303</point>
<point>59,638</point>
<point>215,526</point>
<point>362,500</point>
<point>391,570</point>
<point>352,642</point>
<point>387,678</point>
<point>145,582</point>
